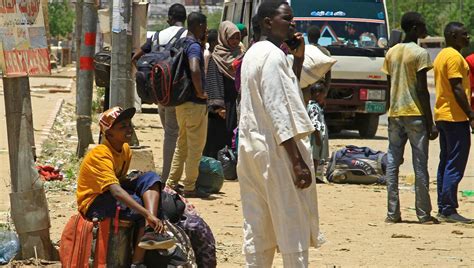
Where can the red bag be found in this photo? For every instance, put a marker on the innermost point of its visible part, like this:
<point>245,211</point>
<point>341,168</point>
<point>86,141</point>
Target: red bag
<point>76,243</point>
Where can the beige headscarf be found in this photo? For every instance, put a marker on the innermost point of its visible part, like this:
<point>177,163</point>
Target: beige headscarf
<point>223,55</point>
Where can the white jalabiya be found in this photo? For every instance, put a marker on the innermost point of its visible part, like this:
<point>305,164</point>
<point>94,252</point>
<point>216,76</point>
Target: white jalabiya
<point>276,213</point>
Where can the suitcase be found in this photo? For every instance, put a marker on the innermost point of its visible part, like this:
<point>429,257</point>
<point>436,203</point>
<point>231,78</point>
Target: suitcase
<point>86,244</point>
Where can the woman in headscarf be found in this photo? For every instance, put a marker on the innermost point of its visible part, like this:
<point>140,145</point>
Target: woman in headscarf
<point>221,91</point>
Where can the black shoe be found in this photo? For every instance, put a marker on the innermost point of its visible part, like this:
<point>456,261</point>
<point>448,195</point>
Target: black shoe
<point>195,194</point>
<point>390,220</point>
<point>430,220</point>
<point>458,218</point>
<point>152,240</point>
<point>179,189</point>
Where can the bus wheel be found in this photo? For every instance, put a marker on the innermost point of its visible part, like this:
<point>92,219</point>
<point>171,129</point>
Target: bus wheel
<point>368,124</point>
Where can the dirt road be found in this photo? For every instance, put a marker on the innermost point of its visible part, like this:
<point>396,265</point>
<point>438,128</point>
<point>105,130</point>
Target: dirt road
<point>352,216</point>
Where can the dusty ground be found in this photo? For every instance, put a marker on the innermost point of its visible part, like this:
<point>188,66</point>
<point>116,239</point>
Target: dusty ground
<point>351,215</point>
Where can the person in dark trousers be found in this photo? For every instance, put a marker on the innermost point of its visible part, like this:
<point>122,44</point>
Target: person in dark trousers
<point>453,115</point>
<point>409,117</point>
<point>191,115</point>
<point>221,90</point>
<point>176,20</point>
<point>105,191</point>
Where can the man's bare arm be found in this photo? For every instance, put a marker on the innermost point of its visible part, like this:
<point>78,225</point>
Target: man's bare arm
<point>424,98</point>
<point>460,96</point>
<point>302,173</point>
<point>196,78</point>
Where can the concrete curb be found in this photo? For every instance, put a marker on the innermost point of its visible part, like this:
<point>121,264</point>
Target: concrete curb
<point>46,131</point>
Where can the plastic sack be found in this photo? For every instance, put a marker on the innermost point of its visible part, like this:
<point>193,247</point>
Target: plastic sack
<point>315,65</point>
<point>211,175</point>
<point>9,246</point>
<point>228,159</point>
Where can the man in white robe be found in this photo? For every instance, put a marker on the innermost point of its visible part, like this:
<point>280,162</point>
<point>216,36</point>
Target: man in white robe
<point>275,168</point>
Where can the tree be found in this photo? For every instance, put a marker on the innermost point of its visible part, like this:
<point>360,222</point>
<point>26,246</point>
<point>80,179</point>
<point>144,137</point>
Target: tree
<point>61,18</point>
<point>437,13</point>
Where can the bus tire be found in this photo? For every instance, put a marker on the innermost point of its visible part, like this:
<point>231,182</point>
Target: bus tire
<point>368,125</point>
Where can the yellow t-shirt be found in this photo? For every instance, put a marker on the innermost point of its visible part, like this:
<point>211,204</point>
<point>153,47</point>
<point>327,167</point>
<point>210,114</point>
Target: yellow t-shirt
<point>450,64</point>
<point>101,167</point>
<point>402,62</point>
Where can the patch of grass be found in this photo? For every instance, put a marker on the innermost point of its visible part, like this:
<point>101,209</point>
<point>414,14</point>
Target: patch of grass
<point>98,102</point>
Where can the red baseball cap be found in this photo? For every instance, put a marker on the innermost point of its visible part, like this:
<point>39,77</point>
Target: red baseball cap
<point>114,115</point>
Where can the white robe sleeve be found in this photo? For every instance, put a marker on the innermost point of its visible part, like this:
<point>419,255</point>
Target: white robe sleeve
<point>282,100</point>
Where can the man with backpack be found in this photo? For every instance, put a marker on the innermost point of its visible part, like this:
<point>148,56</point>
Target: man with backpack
<point>409,117</point>
<point>192,114</point>
<point>176,20</point>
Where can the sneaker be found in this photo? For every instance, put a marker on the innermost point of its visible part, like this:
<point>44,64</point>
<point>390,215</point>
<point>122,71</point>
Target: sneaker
<point>152,240</point>
<point>430,220</point>
<point>440,217</point>
<point>195,194</point>
<point>179,189</point>
<point>390,220</point>
<point>458,218</point>
<point>139,265</point>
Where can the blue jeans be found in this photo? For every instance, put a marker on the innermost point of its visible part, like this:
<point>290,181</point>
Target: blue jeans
<point>105,205</point>
<point>400,130</point>
<point>454,142</point>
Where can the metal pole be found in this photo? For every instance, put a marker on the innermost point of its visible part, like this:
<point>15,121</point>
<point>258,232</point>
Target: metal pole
<point>121,89</point>
<point>85,78</point>
<point>29,207</point>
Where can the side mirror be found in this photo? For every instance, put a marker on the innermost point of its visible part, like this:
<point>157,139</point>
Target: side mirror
<point>395,38</point>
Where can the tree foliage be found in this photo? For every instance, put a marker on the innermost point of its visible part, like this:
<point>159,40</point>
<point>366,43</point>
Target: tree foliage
<point>437,13</point>
<point>61,18</point>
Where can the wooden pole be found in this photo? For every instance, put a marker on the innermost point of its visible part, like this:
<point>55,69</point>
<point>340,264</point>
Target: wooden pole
<point>29,207</point>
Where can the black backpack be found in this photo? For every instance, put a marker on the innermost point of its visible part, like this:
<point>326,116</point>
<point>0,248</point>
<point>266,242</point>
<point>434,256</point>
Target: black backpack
<point>143,77</point>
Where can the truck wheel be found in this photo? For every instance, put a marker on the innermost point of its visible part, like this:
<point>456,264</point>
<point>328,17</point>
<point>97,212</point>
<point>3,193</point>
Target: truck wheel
<point>334,129</point>
<point>368,124</point>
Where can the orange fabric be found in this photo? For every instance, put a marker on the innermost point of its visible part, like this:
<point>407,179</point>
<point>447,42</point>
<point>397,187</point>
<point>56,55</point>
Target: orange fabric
<point>76,243</point>
<point>101,167</point>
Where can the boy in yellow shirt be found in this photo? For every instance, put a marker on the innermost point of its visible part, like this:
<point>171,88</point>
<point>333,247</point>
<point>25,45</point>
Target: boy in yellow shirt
<point>453,115</point>
<point>105,191</point>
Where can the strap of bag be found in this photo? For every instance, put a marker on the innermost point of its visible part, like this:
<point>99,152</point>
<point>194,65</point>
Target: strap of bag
<point>155,42</point>
<point>175,38</point>
<point>95,230</point>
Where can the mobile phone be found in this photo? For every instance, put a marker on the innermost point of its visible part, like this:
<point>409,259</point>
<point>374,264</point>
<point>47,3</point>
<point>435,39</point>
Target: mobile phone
<point>293,43</point>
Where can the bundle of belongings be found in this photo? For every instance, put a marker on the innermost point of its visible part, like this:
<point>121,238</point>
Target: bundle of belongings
<point>315,66</point>
<point>358,165</point>
<point>90,243</point>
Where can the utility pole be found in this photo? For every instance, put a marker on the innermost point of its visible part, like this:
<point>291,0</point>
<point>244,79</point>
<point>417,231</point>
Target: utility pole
<point>86,75</point>
<point>29,207</point>
<point>77,33</point>
<point>121,88</point>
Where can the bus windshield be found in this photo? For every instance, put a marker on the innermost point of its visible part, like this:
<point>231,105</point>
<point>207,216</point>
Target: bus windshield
<point>351,23</point>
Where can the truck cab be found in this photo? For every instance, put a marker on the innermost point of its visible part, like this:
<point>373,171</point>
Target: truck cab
<point>356,34</point>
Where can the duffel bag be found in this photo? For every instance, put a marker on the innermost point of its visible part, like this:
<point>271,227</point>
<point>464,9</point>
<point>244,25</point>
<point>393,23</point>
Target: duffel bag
<point>358,165</point>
